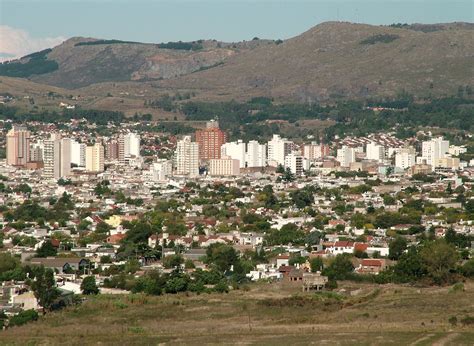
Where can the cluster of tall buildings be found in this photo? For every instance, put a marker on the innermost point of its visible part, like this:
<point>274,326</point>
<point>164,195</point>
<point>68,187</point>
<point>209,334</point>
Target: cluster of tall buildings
<point>59,155</point>
<point>221,158</point>
<point>435,153</point>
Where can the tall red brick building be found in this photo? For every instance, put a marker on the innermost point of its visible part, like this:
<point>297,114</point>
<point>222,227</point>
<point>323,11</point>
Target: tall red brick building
<point>210,141</point>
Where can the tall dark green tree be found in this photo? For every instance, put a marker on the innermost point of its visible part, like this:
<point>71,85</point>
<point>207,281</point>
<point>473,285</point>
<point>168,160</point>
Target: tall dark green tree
<point>89,286</point>
<point>46,250</point>
<point>44,288</point>
<point>396,248</point>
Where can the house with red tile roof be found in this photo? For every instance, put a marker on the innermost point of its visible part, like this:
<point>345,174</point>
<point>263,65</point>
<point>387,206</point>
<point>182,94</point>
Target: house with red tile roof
<point>371,266</point>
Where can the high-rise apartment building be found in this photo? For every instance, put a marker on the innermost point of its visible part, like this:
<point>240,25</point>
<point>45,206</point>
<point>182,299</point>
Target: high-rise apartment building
<point>161,170</point>
<point>36,151</point>
<point>256,155</point>
<point>278,149</point>
<point>295,163</point>
<point>315,151</point>
<point>235,150</point>
<point>95,158</point>
<point>375,152</point>
<point>128,146</point>
<point>18,146</point>
<point>210,141</point>
<point>405,158</point>
<point>112,150</point>
<point>433,150</point>
<point>78,153</point>
<point>346,155</point>
<point>57,157</point>
<point>187,157</point>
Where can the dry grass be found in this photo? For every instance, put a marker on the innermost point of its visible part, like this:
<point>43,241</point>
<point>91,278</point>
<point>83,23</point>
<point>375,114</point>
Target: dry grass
<point>392,315</point>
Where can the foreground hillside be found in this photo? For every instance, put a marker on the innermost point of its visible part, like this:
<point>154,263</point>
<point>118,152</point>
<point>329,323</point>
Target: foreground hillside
<point>267,314</point>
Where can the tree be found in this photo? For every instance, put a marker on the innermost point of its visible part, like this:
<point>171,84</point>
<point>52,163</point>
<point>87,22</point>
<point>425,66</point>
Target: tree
<point>288,176</point>
<point>89,286</point>
<point>23,188</point>
<point>106,259</point>
<point>189,264</point>
<point>468,268</point>
<point>440,259</point>
<point>47,250</point>
<point>102,227</point>
<point>340,268</point>
<point>296,259</point>
<point>178,282</point>
<point>222,256</point>
<point>449,189</point>
<point>173,261</point>
<point>44,287</point>
<point>302,197</point>
<point>409,267</point>
<point>132,266</point>
<point>289,233</point>
<point>8,262</point>
<point>316,264</point>
<point>396,248</point>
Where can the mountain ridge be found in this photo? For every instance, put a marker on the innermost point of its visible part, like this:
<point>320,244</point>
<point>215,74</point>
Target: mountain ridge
<point>331,60</point>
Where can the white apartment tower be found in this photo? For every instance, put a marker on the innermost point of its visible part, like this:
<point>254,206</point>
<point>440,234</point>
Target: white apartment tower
<point>187,157</point>
<point>256,155</point>
<point>57,157</point>
<point>405,158</point>
<point>346,156</point>
<point>129,146</point>
<point>375,152</point>
<point>235,150</point>
<point>78,153</point>
<point>161,170</point>
<point>433,150</point>
<point>295,163</point>
<point>278,149</point>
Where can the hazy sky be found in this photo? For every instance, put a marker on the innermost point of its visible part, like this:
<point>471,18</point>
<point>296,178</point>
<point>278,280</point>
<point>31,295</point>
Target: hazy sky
<point>28,25</point>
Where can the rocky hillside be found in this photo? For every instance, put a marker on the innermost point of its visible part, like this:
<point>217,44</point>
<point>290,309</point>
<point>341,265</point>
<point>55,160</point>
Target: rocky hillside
<point>80,62</point>
<point>340,60</point>
<point>330,61</point>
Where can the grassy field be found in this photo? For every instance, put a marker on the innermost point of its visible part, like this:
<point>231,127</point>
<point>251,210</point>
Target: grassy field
<point>263,314</point>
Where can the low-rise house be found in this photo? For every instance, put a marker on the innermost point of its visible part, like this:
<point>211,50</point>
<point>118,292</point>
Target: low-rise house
<point>61,265</point>
<point>371,266</point>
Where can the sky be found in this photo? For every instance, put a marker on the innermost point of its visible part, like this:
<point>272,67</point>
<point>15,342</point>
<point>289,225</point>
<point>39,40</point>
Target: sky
<point>31,25</point>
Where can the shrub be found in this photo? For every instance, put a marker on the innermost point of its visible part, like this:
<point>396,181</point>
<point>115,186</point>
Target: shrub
<point>453,320</point>
<point>23,318</point>
<point>457,287</point>
<point>380,38</point>
<point>467,321</point>
<point>221,287</point>
<point>331,285</point>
